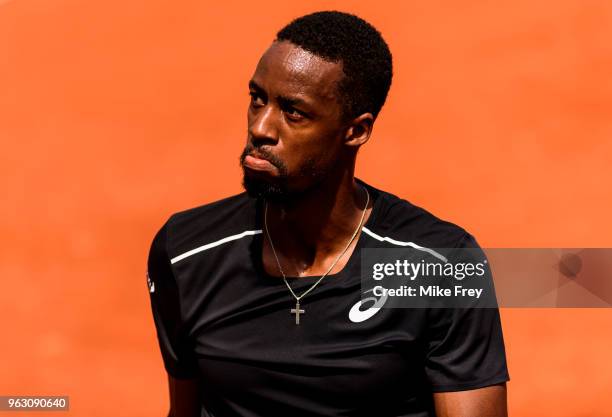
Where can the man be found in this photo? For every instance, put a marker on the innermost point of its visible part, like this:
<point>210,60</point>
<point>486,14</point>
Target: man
<point>257,297</point>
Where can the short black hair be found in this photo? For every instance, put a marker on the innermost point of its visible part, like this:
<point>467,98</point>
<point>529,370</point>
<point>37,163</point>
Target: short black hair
<point>364,54</point>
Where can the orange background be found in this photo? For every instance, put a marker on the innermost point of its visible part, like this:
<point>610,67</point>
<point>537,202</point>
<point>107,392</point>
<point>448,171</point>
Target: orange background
<point>116,113</point>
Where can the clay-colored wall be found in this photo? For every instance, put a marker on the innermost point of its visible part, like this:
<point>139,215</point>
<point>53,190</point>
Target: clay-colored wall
<point>115,113</point>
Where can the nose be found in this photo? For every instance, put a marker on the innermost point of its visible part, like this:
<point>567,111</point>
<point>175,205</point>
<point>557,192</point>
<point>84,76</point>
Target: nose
<point>263,126</point>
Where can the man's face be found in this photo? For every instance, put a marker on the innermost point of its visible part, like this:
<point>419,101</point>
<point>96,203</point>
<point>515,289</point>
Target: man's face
<point>295,129</point>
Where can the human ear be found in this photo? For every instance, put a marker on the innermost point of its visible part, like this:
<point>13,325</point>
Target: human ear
<point>359,130</point>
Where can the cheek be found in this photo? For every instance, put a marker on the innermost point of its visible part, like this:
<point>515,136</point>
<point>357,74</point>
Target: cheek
<point>321,158</point>
<point>316,147</point>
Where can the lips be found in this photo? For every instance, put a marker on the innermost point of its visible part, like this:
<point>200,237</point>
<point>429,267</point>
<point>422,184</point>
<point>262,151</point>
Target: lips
<point>257,163</point>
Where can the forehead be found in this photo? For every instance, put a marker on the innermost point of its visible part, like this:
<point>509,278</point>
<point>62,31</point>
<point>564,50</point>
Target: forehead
<point>288,69</point>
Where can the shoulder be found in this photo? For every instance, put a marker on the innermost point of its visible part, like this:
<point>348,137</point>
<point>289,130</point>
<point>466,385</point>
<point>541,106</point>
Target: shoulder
<point>209,222</point>
<point>402,220</point>
<point>228,209</point>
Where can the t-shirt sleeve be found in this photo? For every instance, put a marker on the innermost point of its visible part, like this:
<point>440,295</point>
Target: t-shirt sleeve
<point>465,346</point>
<point>178,356</point>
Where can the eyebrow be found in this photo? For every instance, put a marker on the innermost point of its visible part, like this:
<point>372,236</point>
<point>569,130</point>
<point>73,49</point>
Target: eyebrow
<point>284,100</point>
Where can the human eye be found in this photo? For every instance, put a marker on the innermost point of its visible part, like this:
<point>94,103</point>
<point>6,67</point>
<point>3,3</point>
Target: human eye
<point>294,114</point>
<point>256,99</point>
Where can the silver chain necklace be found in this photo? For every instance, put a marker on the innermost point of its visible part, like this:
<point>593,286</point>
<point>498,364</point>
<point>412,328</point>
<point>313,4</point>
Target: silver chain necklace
<point>297,311</point>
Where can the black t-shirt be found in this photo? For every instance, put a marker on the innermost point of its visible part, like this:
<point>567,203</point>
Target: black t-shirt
<point>222,319</point>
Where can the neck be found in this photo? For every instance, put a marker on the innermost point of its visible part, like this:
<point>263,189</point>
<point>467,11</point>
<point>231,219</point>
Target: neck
<point>319,223</point>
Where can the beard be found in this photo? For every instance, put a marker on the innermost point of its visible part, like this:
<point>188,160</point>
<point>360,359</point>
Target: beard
<point>279,189</point>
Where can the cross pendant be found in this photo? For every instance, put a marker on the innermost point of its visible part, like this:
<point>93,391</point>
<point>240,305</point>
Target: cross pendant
<point>297,311</point>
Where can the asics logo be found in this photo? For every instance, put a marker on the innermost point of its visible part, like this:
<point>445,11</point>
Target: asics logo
<point>357,315</point>
<point>150,283</point>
